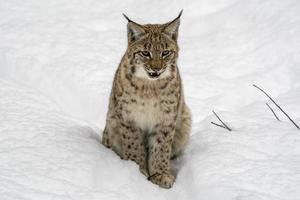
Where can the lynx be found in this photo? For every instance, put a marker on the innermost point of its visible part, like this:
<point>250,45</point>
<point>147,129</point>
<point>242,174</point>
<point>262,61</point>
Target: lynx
<point>147,120</point>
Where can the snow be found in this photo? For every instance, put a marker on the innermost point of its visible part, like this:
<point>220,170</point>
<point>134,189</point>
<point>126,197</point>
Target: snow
<point>57,61</point>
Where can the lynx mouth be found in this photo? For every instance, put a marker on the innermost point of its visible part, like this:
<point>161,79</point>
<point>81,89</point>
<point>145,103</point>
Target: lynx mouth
<point>153,74</point>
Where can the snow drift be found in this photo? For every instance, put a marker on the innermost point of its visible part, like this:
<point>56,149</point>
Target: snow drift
<point>57,60</point>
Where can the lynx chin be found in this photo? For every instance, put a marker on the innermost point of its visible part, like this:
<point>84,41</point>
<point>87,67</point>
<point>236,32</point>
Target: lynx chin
<point>147,120</point>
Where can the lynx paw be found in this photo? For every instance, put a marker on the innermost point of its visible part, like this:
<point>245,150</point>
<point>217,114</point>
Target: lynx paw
<point>163,180</point>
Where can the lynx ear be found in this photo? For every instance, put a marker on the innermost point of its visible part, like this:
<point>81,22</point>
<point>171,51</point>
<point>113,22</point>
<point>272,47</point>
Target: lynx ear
<point>171,28</point>
<point>134,30</point>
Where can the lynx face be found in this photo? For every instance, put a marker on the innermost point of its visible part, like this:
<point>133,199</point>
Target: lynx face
<point>153,48</point>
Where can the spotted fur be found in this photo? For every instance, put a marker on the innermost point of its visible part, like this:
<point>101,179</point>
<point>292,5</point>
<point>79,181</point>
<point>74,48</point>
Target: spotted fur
<point>147,120</point>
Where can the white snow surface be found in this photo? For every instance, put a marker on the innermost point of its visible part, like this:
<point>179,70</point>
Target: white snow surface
<point>57,61</point>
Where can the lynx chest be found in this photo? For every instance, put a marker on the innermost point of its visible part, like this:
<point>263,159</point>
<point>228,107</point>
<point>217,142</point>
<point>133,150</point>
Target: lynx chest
<point>146,113</point>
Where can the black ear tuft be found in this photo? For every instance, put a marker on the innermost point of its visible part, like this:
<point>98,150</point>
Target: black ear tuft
<point>129,20</point>
<point>171,28</point>
<point>180,13</point>
<point>134,30</point>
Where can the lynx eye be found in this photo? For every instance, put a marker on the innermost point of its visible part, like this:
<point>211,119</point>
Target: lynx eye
<point>165,53</point>
<point>146,53</point>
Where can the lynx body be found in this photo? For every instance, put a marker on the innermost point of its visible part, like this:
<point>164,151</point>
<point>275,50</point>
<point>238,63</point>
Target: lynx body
<point>147,120</point>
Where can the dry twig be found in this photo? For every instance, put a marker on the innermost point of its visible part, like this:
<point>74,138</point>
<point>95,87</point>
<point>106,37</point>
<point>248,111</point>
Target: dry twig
<point>224,125</point>
<point>272,111</point>
<point>218,125</point>
<point>277,106</point>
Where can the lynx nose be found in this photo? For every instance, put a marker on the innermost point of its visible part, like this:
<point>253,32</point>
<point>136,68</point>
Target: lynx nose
<point>156,69</point>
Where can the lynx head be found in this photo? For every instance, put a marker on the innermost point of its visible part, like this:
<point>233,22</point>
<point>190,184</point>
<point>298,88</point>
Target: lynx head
<point>152,48</point>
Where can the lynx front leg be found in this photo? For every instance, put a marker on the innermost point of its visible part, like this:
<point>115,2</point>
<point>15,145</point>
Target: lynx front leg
<point>133,147</point>
<point>160,146</point>
<point>182,133</point>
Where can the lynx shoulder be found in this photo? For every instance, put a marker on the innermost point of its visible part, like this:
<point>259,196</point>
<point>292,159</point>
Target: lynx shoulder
<point>147,120</point>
